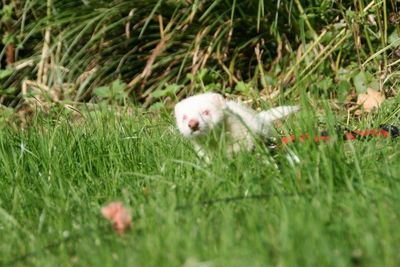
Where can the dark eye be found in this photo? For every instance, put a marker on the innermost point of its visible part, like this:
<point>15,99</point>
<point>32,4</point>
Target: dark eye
<point>205,113</point>
<point>184,117</point>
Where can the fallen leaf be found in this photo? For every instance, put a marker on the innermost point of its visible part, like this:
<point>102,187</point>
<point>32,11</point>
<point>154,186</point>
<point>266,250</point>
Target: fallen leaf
<point>370,100</point>
<point>118,215</point>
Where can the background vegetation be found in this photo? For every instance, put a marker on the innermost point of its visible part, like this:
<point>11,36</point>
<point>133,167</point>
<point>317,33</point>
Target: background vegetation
<point>151,52</point>
<point>102,73</point>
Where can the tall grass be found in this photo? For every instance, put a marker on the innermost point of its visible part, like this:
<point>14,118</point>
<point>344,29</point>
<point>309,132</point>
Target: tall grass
<point>272,46</point>
<point>338,207</point>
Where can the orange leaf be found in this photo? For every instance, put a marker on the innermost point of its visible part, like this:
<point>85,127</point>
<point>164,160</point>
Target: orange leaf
<point>370,100</point>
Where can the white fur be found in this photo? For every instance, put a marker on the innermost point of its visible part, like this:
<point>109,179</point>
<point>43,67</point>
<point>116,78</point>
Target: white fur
<point>217,120</point>
<point>266,118</point>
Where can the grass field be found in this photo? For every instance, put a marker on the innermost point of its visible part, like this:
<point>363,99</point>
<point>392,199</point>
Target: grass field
<point>338,207</point>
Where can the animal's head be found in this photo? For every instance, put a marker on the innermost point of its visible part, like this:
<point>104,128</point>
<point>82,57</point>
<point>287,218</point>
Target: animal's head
<point>198,115</point>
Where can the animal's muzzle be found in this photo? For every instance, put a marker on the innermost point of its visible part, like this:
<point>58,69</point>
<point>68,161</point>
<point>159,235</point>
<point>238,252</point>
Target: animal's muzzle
<point>193,125</point>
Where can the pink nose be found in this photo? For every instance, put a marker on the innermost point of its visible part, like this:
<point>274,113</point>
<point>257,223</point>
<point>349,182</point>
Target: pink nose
<point>194,124</point>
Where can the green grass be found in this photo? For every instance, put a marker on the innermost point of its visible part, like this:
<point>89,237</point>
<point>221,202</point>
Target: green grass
<point>338,207</point>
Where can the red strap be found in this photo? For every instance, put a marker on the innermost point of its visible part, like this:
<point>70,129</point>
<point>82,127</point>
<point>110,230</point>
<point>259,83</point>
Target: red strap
<point>349,135</point>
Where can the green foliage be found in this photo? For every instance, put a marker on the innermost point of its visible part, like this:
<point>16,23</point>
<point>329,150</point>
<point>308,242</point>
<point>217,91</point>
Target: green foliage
<point>245,89</point>
<point>6,13</point>
<point>339,205</point>
<point>364,80</point>
<point>8,91</point>
<point>169,90</point>
<point>114,92</point>
<point>202,45</point>
<point>205,80</point>
<point>242,87</point>
<point>5,73</point>
<point>360,82</point>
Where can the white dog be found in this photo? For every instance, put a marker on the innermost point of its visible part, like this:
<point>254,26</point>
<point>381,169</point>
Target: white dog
<point>208,120</point>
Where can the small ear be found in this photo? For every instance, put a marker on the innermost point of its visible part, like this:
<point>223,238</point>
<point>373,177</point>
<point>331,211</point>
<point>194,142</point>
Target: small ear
<point>218,100</point>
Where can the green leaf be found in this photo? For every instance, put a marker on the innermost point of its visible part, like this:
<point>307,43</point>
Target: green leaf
<point>7,11</point>
<point>172,89</point>
<point>8,38</point>
<point>190,76</point>
<point>350,13</point>
<point>344,74</point>
<point>118,86</point>
<point>242,87</point>
<point>5,73</point>
<point>121,95</point>
<point>360,82</point>
<point>374,84</point>
<point>158,93</point>
<point>103,91</point>
<point>200,75</point>
<point>344,86</point>
<point>169,90</point>
<point>10,90</point>
<point>213,87</point>
<point>156,106</point>
<point>343,89</point>
<point>326,84</point>
<point>270,80</point>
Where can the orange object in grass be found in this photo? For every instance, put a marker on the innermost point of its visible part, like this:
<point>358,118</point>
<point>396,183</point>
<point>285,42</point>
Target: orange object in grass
<point>118,215</point>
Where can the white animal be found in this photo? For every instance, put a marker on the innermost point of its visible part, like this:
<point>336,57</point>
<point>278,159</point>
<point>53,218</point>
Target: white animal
<point>210,121</point>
